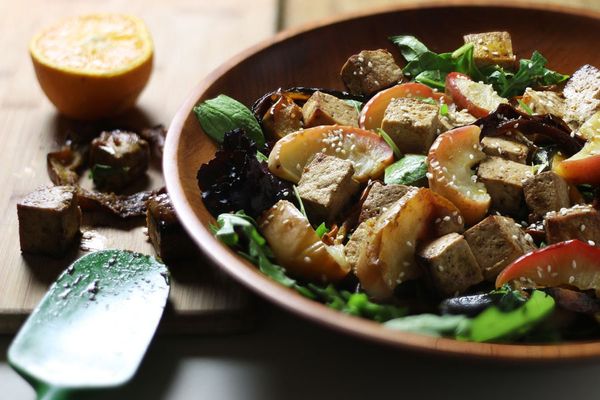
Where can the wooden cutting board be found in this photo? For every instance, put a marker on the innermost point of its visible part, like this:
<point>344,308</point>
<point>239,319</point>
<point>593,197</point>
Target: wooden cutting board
<point>191,38</point>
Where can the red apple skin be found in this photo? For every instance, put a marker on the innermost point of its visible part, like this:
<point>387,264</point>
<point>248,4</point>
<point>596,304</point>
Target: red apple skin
<point>580,170</point>
<point>372,113</point>
<point>459,98</point>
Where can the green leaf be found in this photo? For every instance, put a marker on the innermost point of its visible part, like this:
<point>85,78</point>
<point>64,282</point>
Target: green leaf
<point>444,110</point>
<point>496,325</point>
<point>299,200</point>
<point>101,173</point>
<point>322,229</point>
<point>409,170</point>
<point>431,324</point>
<point>358,105</point>
<point>434,79</point>
<point>389,142</point>
<point>222,114</point>
<point>525,107</point>
<point>410,47</point>
<point>261,157</point>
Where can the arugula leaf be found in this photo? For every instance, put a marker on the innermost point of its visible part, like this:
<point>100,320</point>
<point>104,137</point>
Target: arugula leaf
<point>261,157</point>
<point>410,47</point>
<point>409,170</point>
<point>431,324</point>
<point>322,229</point>
<point>239,232</point>
<point>525,107</point>
<point>222,114</point>
<point>300,202</point>
<point>389,142</point>
<point>444,110</point>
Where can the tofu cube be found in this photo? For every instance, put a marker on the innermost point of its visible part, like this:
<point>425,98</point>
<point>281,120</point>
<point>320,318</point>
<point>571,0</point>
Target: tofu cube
<point>325,109</point>
<point>284,117</point>
<point>118,158</point>
<point>379,198</point>
<point>357,240</point>
<point>578,222</point>
<point>49,220</point>
<point>545,102</point>
<point>504,181</point>
<point>496,242</point>
<point>451,265</point>
<point>582,94</point>
<point>492,48</point>
<point>504,148</point>
<point>545,192</point>
<point>326,186</point>
<point>412,124</point>
<point>169,239</point>
<point>370,71</point>
<point>454,119</point>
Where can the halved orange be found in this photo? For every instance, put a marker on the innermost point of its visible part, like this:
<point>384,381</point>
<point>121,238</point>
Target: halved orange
<point>93,66</point>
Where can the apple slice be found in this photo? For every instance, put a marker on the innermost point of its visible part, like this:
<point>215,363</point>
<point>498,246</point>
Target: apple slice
<point>450,160</point>
<point>387,257</point>
<point>372,112</point>
<point>477,98</point>
<point>298,248</point>
<point>584,166</point>
<point>367,151</point>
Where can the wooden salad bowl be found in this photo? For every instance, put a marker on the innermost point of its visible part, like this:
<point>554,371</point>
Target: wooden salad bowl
<point>313,56</point>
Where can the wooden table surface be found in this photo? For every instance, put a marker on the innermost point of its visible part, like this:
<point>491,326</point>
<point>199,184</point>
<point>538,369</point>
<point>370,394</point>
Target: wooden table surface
<point>191,38</point>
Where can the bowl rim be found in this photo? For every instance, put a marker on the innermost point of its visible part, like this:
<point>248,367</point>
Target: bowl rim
<point>248,274</point>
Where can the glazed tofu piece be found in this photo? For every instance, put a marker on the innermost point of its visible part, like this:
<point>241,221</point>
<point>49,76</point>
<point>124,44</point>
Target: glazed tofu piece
<point>492,48</point>
<point>325,109</point>
<point>454,119</point>
<point>380,197</point>
<point>504,181</point>
<point>169,239</point>
<point>284,117</point>
<point>545,102</point>
<point>357,240</point>
<point>496,242</point>
<point>326,186</point>
<point>412,124</point>
<point>118,158</point>
<point>504,148</point>
<point>451,265</point>
<point>370,71</point>
<point>578,222</point>
<point>582,94</point>
<point>49,220</point>
<point>545,192</point>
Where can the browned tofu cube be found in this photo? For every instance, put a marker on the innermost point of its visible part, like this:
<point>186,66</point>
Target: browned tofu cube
<point>49,220</point>
<point>454,119</point>
<point>170,241</point>
<point>118,158</point>
<point>578,222</point>
<point>504,181</point>
<point>508,149</point>
<point>545,192</point>
<point>325,109</point>
<point>451,265</point>
<point>544,102</point>
<point>582,94</point>
<point>412,124</point>
<point>357,240</point>
<point>496,242</point>
<point>326,186</point>
<point>380,197</point>
<point>284,117</point>
<point>370,71</point>
<point>492,48</point>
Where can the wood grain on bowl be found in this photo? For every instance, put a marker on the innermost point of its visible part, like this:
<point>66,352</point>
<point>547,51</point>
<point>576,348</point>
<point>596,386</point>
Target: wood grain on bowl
<point>312,57</point>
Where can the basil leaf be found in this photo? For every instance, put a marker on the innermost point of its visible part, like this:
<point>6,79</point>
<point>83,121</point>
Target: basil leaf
<point>410,47</point>
<point>223,114</point>
<point>409,170</point>
<point>431,324</point>
<point>495,325</point>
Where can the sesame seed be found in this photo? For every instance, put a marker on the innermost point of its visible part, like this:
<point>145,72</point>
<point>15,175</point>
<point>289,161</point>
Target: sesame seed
<point>307,259</point>
<point>571,279</point>
<point>549,268</point>
<point>446,218</point>
<point>591,243</point>
<point>409,243</point>
<point>582,227</point>
<point>440,268</point>
<point>574,264</point>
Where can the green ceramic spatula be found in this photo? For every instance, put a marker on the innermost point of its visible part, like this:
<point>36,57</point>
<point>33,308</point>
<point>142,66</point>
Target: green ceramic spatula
<point>91,330</point>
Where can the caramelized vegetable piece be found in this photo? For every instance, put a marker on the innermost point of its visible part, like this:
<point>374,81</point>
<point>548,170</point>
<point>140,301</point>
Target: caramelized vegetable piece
<point>373,111</point>
<point>283,117</point>
<point>119,206</point>
<point>387,254</point>
<point>156,137</point>
<point>63,165</point>
<point>367,151</point>
<point>298,248</point>
<point>571,263</point>
<point>450,160</point>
